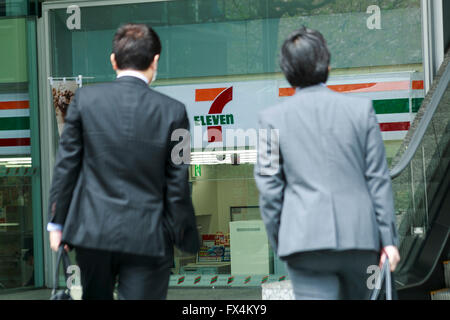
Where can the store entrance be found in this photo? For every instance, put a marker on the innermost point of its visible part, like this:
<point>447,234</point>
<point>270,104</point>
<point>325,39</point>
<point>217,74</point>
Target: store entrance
<point>235,250</point>
<point>229,50</point>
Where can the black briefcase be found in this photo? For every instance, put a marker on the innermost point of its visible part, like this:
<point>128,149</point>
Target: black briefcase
<point>61,294</point>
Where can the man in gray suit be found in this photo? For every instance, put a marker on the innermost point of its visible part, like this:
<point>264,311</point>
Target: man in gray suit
<point>118,194</point>
<point>325,191</point>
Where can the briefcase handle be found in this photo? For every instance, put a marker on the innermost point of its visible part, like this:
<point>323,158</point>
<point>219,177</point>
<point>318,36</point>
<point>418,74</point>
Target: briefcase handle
<point>385,275</point>
<point>62,255</point>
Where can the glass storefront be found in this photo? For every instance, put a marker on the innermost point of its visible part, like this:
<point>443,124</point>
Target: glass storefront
<point>21,250</point>
<point>230,49</point>
<point>16,233</point>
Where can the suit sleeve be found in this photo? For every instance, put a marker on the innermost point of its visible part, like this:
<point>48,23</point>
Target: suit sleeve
<point>179,210</point>
<point>270,179</point>
<point>379,181</point>
<point>67,164</point>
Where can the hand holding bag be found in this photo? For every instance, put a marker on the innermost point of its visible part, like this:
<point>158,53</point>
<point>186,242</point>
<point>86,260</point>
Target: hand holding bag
<point>385,275</point>
<point>63,294</point>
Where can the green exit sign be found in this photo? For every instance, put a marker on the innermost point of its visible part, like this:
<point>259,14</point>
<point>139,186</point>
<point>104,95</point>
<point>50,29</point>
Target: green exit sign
<point>197,170</point>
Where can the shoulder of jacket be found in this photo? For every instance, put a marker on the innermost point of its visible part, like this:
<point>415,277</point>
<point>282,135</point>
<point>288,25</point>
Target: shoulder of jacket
<point>357,103</point>
<point>97,86</point>
<point>94,88</point>
<point>270,113</point>
<point>274,111</point>
<point>173,103</point>
<point>347,97</point>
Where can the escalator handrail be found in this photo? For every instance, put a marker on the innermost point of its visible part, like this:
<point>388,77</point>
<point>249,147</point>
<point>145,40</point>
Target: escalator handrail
<point>423,125</point>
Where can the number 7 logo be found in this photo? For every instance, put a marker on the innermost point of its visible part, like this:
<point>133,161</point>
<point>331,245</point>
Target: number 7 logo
<point>221,97</point>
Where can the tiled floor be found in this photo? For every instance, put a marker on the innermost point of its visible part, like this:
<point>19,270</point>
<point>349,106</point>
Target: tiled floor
<point>174,294</point>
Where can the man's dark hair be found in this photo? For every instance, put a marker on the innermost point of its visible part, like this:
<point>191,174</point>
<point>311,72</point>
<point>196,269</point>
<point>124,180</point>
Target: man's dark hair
<point>305,58</point>
<point>135,46</point>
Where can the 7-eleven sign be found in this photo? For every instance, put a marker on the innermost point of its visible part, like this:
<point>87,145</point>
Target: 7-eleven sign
<point>215,118</point>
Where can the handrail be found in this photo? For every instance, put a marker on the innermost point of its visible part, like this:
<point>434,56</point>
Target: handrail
<point>423,125</point>
<point>437,244</point>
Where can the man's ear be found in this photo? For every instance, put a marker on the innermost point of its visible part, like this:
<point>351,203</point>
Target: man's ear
<point>113,61</point>
<point>154,64</point>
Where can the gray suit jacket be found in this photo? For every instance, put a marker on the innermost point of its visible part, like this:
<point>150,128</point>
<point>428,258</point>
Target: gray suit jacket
<point>114,185</point>
<point>332,188</point>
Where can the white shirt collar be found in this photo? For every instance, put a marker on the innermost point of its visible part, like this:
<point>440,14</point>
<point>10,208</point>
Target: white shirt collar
<point>133,73</point>
<point>297,89</point>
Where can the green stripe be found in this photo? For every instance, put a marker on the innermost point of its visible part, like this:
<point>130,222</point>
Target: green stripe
<point>396,105</point>
<point>416,103</point>
<point>15,123</point>
<point>391,106</point>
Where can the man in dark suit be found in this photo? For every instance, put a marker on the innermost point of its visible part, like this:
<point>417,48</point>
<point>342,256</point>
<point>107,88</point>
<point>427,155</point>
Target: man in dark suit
<point>120,194</point>
<point>325,192</point>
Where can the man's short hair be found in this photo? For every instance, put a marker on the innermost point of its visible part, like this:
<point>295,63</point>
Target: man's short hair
<point>135,46</point>
<point>305,58</point>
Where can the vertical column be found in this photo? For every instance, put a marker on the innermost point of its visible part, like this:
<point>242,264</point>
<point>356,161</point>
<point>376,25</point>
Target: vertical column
<point>35,153</point>
<point>433,39</point>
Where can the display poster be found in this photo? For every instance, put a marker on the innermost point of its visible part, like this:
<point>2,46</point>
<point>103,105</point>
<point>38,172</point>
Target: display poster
<point>63,91</point>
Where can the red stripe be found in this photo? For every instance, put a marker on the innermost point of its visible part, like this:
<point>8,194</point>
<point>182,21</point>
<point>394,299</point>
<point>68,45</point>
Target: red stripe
<point>207,94</point>
<point>18,142</point>
<point>350,87</point>
<point>9,105</point>
<point>417,85</point>
<point>395,126</point>
<point>363,87</point>
<point>221,100</point>
<point>286,92</point>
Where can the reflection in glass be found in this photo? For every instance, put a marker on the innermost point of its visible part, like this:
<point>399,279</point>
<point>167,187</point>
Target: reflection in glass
<point>222,38</point>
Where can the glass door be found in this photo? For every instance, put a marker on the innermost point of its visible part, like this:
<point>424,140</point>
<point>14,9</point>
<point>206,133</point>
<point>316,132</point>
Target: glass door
<point>21,263</point>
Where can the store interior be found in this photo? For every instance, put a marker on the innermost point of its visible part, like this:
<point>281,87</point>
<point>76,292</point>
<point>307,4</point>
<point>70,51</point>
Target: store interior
<point>234,239</point>
<point>16,233</point>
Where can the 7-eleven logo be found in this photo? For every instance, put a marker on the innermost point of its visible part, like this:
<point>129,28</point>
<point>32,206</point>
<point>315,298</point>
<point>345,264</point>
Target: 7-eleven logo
<point>264,279</point>
<point>215,118</point>
<point>214,279</point>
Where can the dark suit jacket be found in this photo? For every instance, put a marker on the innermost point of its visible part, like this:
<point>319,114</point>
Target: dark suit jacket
<point>114,185</point>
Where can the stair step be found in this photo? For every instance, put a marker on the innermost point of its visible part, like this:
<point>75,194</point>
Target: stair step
<point>278,291</point>
<point>443,294</point>
<point>447,273</point>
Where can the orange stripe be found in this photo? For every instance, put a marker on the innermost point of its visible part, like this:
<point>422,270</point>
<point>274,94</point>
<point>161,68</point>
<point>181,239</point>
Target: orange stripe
<point>350,87</point>
<point>207,94</point>
<point>286,92</point>
<point>7,105</point>
<point>364,87</point>
<point>372,87</point>
<point>417,85</point>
